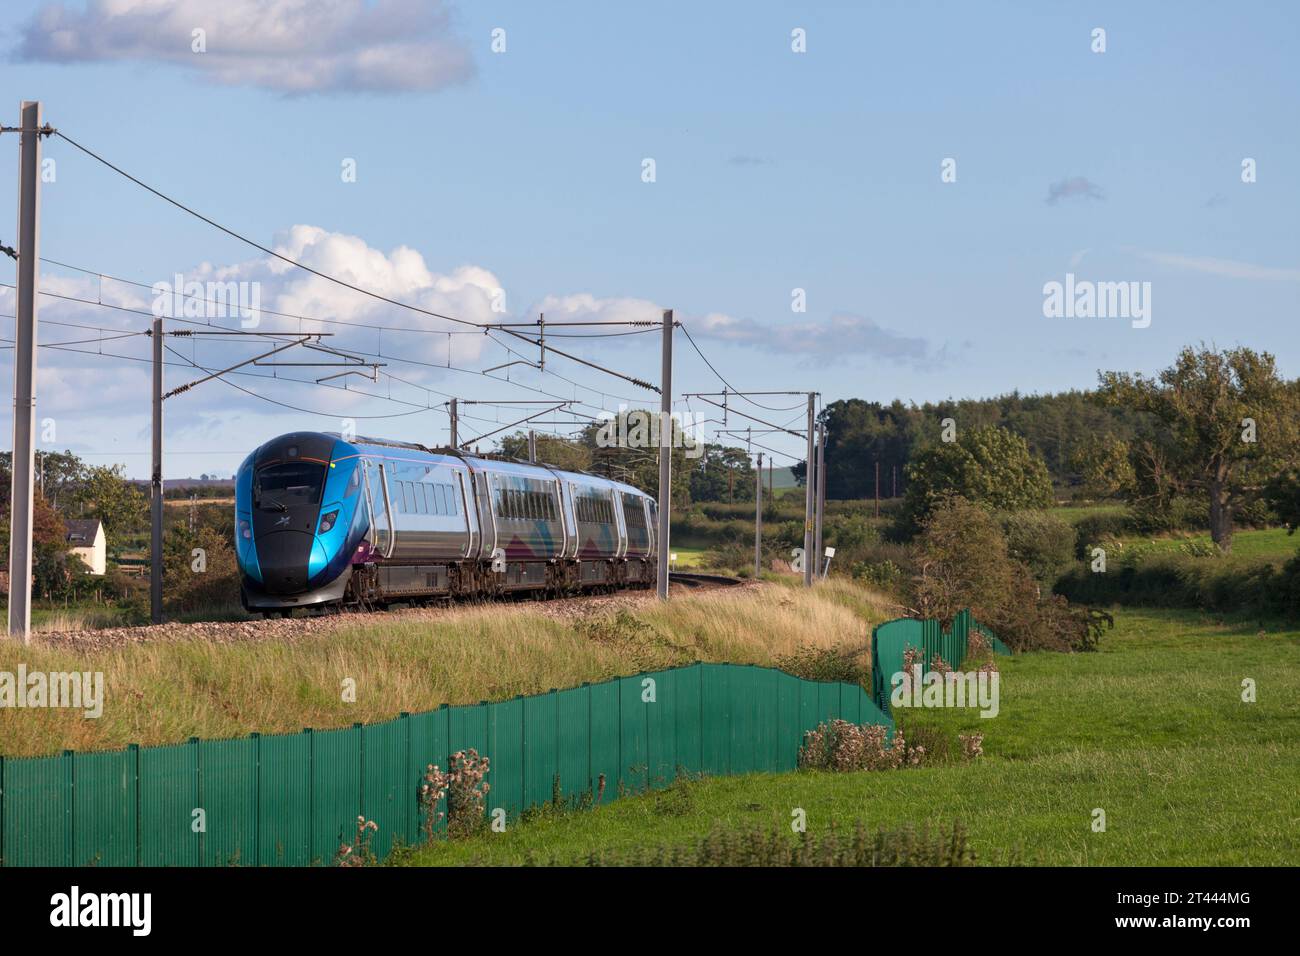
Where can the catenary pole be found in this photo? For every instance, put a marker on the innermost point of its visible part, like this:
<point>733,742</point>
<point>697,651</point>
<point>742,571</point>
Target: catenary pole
<point>758,518</point>
<point>27,287</point>
<point>821,490</point>
<point>156,482</point>
<point>810,478</point>
<point>665,451</point>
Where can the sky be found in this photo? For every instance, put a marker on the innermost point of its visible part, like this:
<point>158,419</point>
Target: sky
<point>867,200</point>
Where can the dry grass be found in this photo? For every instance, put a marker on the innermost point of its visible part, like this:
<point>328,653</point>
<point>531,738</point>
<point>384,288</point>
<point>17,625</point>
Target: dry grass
<point>167,691</point>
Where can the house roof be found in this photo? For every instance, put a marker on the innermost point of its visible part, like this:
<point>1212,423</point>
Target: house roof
<point>82,529</point>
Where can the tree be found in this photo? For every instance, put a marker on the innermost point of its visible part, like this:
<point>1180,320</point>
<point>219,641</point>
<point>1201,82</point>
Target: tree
<point>722,474</point>
<point>120,505</point>
<point>552,450</point>
<point>987,465</point>
<point>1229,423</point>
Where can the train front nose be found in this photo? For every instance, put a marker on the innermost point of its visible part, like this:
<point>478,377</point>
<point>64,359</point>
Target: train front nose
<point>284,557</point>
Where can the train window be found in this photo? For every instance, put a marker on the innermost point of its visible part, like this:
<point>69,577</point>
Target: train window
<point>453,502</point>
<point>276,487</point>
<point>354,479</point>
<point>594,509</point>
<point>633,513</point>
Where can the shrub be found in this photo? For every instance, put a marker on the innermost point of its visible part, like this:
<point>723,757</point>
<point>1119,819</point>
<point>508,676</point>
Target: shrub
<point>1224,584</point>
<point>825,664</point>
<point>840,745</point>
<point>965,563</point>
<point>1041,541</point>
<point>358,852</point>
<point>466,793</point>
<point>1098,529</point>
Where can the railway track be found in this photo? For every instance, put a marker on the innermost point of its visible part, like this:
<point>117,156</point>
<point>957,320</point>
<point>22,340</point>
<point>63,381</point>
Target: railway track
<point>693,580</point>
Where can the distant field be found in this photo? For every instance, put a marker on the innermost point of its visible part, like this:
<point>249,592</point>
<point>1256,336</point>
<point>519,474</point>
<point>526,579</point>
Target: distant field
<point>1076,513</point>
<point>1152,730</point>
<point>1263,543</point>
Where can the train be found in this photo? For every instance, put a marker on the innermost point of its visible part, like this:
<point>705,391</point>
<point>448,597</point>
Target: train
<point>327,522</point>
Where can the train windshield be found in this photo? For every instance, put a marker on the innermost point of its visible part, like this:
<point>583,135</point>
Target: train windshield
<point>276,487</point>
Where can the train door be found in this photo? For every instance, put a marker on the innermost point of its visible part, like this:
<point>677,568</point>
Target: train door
<point>381,507</point>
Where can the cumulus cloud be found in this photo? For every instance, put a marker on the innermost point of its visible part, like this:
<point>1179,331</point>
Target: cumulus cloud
<point>218,415</point>
<point>289,46</point>
<point>1076,187</point>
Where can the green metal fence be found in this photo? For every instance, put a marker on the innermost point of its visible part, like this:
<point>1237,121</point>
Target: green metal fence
<point>291,799</point>
<point>889,643</point>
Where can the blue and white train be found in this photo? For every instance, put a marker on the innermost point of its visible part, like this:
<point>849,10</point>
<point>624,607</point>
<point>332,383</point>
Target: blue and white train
<point>367,522</point>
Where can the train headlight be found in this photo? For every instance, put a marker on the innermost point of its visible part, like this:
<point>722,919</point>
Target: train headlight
<point>245,530</point>
<point>327,521</point>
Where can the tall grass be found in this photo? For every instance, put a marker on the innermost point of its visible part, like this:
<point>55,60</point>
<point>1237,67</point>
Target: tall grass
<point>168,691</point>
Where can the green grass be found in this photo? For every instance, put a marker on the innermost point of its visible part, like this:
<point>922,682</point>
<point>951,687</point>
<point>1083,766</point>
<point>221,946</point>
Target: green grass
<point>1272,544</point>
<point>1076,513</point>
<point>1151,729</point>
<point>690,558</point>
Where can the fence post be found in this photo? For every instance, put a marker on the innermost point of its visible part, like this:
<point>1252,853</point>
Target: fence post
<point>256,738</point>
<point>405,718</point>
<point>70,811</point>
<point>198,798</point>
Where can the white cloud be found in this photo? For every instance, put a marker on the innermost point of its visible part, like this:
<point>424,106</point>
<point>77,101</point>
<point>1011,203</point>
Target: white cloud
<point>289,46</point>
<point>1229,268</point>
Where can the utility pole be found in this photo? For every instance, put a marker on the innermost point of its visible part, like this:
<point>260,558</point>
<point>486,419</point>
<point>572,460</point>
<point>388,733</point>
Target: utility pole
<point>156,482</point>
<point>665,451</point>
<point>27,286</point>
<point>758,519</point>
<point>312,340</point>
<point>532,446</point>
<point>452,415</point>
<point>895,494</point>
<point>877,487</point>
<point>810,478</point>
<point>821,489</point>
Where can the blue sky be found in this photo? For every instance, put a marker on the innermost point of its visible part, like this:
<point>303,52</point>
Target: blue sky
<point>775,170</point>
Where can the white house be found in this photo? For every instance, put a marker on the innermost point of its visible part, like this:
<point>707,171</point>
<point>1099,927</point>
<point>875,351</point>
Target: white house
<point>86,541</point>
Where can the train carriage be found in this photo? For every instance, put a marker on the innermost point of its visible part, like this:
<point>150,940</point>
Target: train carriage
<point>321,521</point>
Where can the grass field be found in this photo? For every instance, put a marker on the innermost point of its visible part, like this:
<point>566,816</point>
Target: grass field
<point>1076,513</point>
<point>1151,729</point>
<point>1272,544</point>
<point>167,691</point>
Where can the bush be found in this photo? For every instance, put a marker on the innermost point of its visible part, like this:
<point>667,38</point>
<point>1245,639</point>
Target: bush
<point>1098,529</point>
<point>826,664</point>
<point>964,562</point>
<point>840,745</point>
<point>1041,541</point>
<point>1222,584</point>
